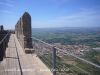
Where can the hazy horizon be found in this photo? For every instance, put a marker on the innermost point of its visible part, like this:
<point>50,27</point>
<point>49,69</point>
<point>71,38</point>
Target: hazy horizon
<point>59,27</point>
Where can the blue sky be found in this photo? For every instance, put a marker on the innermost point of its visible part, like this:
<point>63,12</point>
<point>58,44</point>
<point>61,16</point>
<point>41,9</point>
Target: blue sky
<point>51,13</point>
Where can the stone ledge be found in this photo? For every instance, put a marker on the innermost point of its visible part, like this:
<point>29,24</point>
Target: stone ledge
<point>29,50</point>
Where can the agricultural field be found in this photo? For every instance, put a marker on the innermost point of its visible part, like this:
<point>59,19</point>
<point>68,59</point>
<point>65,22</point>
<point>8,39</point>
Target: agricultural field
<point>87,39</point>
<point>69,36</point>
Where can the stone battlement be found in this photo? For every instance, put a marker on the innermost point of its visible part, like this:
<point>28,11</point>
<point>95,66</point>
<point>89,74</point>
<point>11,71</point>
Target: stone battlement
<point>23,31</point>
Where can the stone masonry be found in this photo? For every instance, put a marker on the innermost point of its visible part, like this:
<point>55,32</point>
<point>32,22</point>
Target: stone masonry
<point>23,31</point>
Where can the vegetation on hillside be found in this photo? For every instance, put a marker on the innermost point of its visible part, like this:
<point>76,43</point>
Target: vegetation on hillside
<point>69,36</point>
<point>72,36</point>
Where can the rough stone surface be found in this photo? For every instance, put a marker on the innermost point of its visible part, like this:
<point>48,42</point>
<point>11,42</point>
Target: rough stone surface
<point>23,31</point>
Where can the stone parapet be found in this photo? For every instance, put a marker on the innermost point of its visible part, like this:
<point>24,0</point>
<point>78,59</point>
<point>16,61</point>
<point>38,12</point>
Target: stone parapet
<point>23,31</point>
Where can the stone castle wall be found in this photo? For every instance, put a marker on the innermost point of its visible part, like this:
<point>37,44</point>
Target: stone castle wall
<point>23,31</point>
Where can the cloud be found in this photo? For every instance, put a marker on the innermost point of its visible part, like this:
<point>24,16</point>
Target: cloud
<point>85,14</point>
<point>84,18</point>
<point>58,2</point>
<point>7,4</point>
<point>9,12</point>
<point>9,1</point>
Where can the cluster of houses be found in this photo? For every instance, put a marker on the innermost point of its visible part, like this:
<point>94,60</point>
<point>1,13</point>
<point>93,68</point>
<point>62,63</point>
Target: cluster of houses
<point>74,49</point>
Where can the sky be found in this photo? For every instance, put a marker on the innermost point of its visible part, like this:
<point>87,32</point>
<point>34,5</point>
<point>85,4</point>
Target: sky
<point>51,13</point>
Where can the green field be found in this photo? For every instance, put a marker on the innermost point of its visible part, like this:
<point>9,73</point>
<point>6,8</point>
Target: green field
<point>72,36</point>
<point>78,67</point>
<point>65,36</point>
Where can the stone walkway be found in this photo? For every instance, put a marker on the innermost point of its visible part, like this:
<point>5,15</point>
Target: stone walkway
<point>19,63</point>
